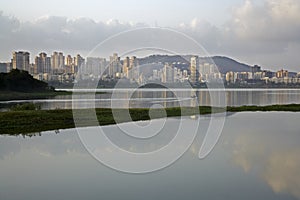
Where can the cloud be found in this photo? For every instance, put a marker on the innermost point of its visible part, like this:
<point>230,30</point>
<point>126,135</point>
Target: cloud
<point>275,20</point>
<point>266,34</point>
<point>8,25</point>
<point>50,33</point>
<point>256,33</point>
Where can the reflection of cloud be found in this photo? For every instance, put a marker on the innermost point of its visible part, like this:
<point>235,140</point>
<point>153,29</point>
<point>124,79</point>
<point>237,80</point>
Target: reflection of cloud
<point>46,145</point>
<point>9,148</point>
<point>244,152</point>
<point>282,172</point>
<point>279,165</point>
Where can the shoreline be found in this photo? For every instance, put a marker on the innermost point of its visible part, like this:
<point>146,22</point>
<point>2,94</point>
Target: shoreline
<point>15,96</point>
<point>34,121</point>
<point>10,96</point>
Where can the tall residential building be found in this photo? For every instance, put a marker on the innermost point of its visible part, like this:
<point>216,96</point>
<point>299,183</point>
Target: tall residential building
<point>282,74</point>
<point>20,60</point>
<point>126,67</point>
<point>114,65</point>
<point>206,68</point>
<point>93,65</point>
<point>69,64</point>
<point>103,66</point>
<point>133,69</point>
<point>42,64</point>
<point>69,61</point>
<point>57,60</point>
<point>193,69</point>
<point>168,74</point>
<point>230,77</point>
<point>79,63</point>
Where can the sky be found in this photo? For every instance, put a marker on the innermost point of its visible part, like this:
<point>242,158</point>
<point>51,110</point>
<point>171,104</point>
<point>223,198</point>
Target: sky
<point>263,32</point>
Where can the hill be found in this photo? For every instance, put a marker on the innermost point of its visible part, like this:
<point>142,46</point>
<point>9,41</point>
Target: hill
<point>224,64</point>
<point>21,81</point>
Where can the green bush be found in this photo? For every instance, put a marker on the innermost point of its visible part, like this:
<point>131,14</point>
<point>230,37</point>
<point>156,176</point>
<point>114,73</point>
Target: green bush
<point>25,106</point>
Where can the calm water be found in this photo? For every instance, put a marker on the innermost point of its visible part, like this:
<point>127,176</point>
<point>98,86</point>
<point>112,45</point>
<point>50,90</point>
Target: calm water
<point>257,157</point>
<point>147,97</point>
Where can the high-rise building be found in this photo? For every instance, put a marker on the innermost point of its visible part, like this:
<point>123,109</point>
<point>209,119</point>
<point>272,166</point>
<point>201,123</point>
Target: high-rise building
<point>20,60</point>
<point>114,65</point>
<point>168,74</point>
<point>230,77</point>
<point>69,61</point>
<point>206,68</point>
<point>125,67</point>
<point>69,64</point>
<point>92,65</point>
<point>57,60</point>
<point>42,64</point>
<point>193,69</point>
<point>133,69</point>
<point>282,74</point>
<point>79,63</point>
<point>103,66</point>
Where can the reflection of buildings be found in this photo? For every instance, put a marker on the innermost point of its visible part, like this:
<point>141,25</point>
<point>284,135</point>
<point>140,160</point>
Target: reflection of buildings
<point>194,98</point>
<point>204,98</point>
<point>238,98</point>
<point>165,96</point>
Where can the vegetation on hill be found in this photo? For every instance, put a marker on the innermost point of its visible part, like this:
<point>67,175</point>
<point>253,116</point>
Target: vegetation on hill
<point>21,81</point>
<point>18,84</point>
<point>224,64</point>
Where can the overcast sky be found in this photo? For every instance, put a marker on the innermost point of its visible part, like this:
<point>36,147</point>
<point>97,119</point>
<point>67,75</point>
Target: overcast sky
<point>265,32</point>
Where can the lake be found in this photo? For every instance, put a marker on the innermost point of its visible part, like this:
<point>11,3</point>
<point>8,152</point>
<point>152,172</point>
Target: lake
<point>257,157</point>
<point>145,98</point>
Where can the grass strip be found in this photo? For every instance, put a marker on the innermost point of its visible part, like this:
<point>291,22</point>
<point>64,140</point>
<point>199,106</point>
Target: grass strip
<point>32,121</point>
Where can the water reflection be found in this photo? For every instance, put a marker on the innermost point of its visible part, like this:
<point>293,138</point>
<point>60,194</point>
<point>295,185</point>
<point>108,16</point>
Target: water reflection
<point>272,153</point>
<point>257,158</point>
<point>145,98</point>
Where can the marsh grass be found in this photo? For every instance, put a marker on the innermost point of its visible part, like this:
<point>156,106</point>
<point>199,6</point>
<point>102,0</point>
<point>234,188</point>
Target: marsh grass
<point>29,119</point>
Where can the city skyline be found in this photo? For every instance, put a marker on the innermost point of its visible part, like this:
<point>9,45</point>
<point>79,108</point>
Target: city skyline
<point>263,32</point>
<point>68,69</point>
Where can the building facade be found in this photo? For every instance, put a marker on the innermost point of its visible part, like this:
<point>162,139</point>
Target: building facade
<point>21,60</point>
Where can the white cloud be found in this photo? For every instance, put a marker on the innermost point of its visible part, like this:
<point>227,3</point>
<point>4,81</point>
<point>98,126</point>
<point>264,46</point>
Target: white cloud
<point>254,33</point>
<point>275,20</point>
